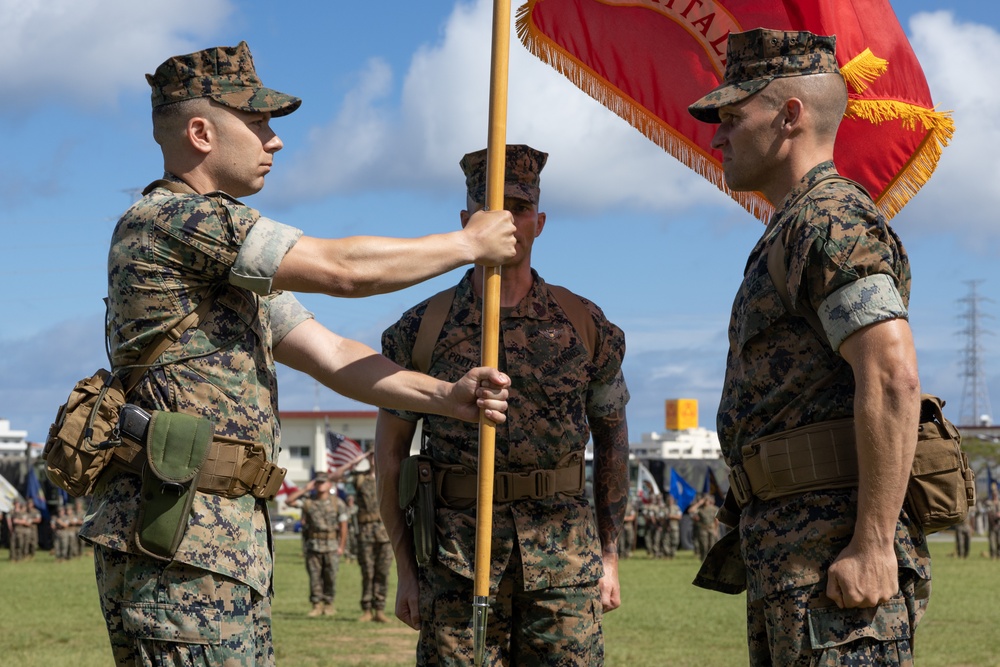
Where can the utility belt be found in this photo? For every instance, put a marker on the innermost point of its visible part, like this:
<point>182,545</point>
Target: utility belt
<point>322,535</point>
<point>368,517</point>
<point>808,458</point>
<point>456,484</point>
<point>232,468</point>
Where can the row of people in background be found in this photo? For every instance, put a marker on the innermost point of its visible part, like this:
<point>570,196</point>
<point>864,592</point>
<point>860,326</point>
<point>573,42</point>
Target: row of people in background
<point>23,522</point>
<point>985,518</point>
<point>329,525</point>
<point>658,523</point>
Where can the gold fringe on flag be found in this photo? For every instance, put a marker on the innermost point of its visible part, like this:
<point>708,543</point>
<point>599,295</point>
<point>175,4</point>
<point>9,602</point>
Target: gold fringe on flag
<point>632,112</point>
<point>938,126</point>
<point>863,69</point>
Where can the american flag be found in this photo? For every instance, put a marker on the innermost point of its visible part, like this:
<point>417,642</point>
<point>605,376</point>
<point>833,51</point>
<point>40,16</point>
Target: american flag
<point>340,450</point>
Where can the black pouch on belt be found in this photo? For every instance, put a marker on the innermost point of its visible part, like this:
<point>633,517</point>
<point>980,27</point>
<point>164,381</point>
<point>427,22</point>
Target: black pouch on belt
<point>416,496</point>
<point>175,451</point>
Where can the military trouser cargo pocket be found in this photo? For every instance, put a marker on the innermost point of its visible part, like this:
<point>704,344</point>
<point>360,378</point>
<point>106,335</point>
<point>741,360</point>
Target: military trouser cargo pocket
<point>835,628</point>
<point>194,624</point>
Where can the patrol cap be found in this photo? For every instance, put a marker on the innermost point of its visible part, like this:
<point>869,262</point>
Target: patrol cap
<point>521,177</point>
<point>225,74</point>
<point>322,477</point>
<point>757,57</point>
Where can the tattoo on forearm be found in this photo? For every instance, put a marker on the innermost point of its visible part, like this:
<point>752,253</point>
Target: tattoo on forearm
<point>610,475</point>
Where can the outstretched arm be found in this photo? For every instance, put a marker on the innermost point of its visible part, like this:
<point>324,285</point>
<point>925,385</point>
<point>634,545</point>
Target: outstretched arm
<point>364,265</point>
<point>610,496</point>
<point>886,417</point>
<point>357,371</point>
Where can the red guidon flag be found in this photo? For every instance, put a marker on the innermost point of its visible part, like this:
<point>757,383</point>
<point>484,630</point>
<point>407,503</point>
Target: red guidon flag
<point>647,60</point>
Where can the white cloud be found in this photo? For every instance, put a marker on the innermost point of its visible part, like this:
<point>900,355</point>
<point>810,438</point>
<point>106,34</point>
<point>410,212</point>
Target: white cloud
<point>959,60</point>
<point>596,159</point>
<point>83,52</point>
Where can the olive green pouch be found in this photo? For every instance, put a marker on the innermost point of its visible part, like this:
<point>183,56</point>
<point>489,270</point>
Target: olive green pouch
<point>416,496</point>
<point>176,448</point>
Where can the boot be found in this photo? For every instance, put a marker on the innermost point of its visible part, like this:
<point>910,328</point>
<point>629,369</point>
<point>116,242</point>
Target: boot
<point>366,616</point>
<point>380,617</point>
<point>317,610</point>
<point>328,609</point>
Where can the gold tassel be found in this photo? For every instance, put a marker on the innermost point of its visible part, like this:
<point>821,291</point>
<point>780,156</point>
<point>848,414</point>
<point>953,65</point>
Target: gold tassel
<point>863,69</point>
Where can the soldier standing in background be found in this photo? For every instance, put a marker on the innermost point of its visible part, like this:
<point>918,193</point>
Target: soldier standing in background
<point>374,549</point>
<point>63,533</point>
<point>324,536</point>
<point>352,528</point>
<point>20,527</point>
<point>627,541</point>
<point>554,569</point>
<point>674,516</point>
<point>992,509</point>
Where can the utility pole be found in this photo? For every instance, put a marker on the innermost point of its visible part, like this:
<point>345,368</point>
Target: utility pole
<point>975,408</point>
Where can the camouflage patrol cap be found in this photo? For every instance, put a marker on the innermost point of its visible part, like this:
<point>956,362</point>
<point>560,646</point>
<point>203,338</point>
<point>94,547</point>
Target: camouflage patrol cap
<point>521,177</point>
<point>757,57</point>
<point>225,74</point>
<point>321,477</point>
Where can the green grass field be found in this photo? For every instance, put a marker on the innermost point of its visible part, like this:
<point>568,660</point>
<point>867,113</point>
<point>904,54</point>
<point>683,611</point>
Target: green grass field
<point>49,615</point>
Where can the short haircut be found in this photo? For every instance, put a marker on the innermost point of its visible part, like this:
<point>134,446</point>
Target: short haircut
<point>825,95</point>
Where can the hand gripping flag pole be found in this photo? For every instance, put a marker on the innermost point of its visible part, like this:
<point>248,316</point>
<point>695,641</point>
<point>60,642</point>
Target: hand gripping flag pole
<point>496,149</point>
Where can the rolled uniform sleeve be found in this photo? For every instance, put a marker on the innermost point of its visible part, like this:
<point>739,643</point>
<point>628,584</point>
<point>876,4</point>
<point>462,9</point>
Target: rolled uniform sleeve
<point>261,253</point>
<point>285,314</point>
<point>848,263</point>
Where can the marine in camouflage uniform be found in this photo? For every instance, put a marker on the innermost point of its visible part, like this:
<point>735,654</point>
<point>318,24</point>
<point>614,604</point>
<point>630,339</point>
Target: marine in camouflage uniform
<point>553,568</point>
<point>20,535</point>
<point>324,537</point>
<point>64,533</point>
<point>374,548</point>
<point>674,516</point>
<point>992,509</point>
<point>820,591</point>
<point>627,541</point>
<point>190,239</point>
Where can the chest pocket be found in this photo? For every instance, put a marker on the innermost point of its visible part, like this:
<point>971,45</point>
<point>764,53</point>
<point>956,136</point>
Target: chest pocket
<point>757,305</point>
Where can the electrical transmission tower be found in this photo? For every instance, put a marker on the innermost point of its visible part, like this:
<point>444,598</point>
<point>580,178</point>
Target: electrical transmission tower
<point>975,406</point>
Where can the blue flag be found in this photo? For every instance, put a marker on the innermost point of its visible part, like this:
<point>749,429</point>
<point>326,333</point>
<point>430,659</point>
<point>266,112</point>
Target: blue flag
<point>682,492</point>
<point>34,492</point>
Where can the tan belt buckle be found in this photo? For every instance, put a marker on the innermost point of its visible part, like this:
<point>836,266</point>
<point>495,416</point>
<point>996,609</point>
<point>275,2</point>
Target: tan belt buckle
<point>268,482</point>
<point>740,484</point>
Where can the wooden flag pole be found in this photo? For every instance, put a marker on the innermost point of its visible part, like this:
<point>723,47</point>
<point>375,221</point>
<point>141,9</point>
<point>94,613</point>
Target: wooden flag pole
<point>496,158</point>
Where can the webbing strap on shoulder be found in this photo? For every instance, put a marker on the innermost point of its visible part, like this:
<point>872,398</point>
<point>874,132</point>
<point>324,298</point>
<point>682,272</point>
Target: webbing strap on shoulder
<point>438,306</point>
<point>578,315</point>
<point>430,328</point>
<point>177,188</point>
<point>777,266</point>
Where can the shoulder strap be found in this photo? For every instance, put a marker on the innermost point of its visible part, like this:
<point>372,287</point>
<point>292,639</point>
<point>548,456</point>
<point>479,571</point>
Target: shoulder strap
<point>430,328</point>
<point>437,311</point>
<point>166,339</point>
<point>777,266</point>
<point>177,188</point>
<point>578,315</point>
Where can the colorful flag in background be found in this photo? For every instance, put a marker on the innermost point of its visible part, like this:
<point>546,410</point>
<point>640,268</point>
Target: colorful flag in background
<point>33,491</point>
<point>711,486</point>
<point>647,60</point>
<point>340,450</point>
<point>682,492</point>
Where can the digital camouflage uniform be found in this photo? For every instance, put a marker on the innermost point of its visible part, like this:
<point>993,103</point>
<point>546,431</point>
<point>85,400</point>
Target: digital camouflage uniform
<point>321,523</point>
<point>169,251</point>
<point>674,516</point>
<point>992,508</point>
<point>21,543</point>
<point>849,266</point>
<point>64,533</point>
<point>627,541</point>
<point>846,264</point>
<point>374,547</point>
<point>546,558</point>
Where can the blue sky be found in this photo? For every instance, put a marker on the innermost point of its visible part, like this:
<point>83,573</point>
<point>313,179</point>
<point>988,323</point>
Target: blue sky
<point>394,94</point>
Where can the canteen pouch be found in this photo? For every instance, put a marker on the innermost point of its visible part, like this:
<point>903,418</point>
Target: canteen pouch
<point>82,438</point>
<point>416,496</point>
<point>176,448</point>
<point>942,487</point>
